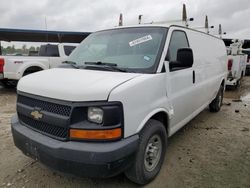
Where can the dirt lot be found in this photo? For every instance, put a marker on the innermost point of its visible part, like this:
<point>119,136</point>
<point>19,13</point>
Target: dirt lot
<point>213,150</point>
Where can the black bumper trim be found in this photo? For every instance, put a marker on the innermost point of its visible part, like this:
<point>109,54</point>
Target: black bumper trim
<point>79,158</point>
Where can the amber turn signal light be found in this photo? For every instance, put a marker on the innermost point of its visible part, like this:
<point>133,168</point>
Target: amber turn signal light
<point>96,134</point>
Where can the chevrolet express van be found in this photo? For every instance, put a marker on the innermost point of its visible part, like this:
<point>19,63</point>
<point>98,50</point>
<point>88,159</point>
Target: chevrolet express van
<point>118,98</point>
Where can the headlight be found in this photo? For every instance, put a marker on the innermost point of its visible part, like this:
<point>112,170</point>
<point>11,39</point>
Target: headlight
<point>95,115</point>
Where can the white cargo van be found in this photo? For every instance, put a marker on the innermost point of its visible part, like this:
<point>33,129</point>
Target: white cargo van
<point>123,92</point>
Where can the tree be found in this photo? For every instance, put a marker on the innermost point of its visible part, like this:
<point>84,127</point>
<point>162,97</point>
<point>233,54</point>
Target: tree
<point>24,48</point>
<point>8,50</point>
<point>12,49</point>
<point>32,48</point>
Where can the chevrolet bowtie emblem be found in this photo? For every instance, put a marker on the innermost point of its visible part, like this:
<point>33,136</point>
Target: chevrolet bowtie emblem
<point>36,115</point>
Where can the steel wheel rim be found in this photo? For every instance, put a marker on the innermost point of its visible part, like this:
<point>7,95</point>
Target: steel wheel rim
<point>152,153</point>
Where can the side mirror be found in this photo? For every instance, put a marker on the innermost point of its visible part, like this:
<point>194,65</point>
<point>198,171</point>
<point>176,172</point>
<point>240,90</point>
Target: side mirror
<point>184,59</point>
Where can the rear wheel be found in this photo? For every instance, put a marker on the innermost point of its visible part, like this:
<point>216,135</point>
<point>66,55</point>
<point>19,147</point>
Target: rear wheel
<point>150,154</point>
<point>216,104</point>
<point>9,83</point>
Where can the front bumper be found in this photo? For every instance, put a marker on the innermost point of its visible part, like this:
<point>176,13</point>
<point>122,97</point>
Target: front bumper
<point>86,159</point>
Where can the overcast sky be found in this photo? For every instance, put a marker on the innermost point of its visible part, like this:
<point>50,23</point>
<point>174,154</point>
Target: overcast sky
<point>92,15</point>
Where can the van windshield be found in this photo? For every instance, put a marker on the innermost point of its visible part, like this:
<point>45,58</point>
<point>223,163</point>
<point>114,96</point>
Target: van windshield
<point>130,49</point>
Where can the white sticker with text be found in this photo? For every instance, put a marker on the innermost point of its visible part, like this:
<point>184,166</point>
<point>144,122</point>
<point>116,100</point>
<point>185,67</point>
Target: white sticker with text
<point>140,40</point>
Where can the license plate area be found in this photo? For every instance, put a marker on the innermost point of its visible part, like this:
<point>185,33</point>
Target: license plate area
<point>32,150</point>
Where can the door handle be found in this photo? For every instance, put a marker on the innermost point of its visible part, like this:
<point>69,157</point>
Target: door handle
<point>193,77</point>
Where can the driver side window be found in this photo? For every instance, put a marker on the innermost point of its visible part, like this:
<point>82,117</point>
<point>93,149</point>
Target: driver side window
<point>178,40</point>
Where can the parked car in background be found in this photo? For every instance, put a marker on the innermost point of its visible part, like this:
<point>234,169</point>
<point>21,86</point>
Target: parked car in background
<point>247,52</point>
<point>237,62</point>
<point>122,94</point>
<point>12,68</point>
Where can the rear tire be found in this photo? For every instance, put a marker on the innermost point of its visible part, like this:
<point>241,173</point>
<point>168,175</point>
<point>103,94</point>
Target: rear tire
<point>150,155</point>
<point>9,83</point>
<point>216,104</point>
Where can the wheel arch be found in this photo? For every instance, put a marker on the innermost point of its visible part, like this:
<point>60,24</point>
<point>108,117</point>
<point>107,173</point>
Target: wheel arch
<point>159,115</point>
<point>43,65</point>
<point>223,83</point>
<point>32,69</point>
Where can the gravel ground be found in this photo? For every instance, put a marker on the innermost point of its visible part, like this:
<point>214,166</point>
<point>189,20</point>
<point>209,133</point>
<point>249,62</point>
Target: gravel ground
<point>213,150</point>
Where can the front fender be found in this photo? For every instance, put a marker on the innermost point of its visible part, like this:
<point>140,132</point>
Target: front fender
<point>169,112</point>
<point>142,97</point>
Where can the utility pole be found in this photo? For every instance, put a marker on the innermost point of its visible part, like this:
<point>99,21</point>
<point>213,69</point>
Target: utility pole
<point>120,20</point>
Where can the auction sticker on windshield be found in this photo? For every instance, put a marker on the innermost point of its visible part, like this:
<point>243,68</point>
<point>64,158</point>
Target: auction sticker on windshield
<point>140,40</point>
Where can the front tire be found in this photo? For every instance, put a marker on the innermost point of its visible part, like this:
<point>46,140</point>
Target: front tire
<point>216,104</point>
<point>150,155</point>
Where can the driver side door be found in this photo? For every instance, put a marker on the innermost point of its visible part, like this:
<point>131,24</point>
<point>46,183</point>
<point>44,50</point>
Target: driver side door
<point>181,82</point>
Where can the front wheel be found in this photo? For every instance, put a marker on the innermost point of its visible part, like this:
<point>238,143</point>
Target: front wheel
<point>150,154</point>
<point>216,104</point>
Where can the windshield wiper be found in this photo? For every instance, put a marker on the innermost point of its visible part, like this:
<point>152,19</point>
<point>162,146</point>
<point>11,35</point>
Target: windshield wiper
<point>72,63</point>
<point>107,66</point>
<point>100,63</point>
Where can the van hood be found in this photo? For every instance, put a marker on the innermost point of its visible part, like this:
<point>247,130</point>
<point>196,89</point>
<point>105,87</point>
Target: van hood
<point>73,84</point>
